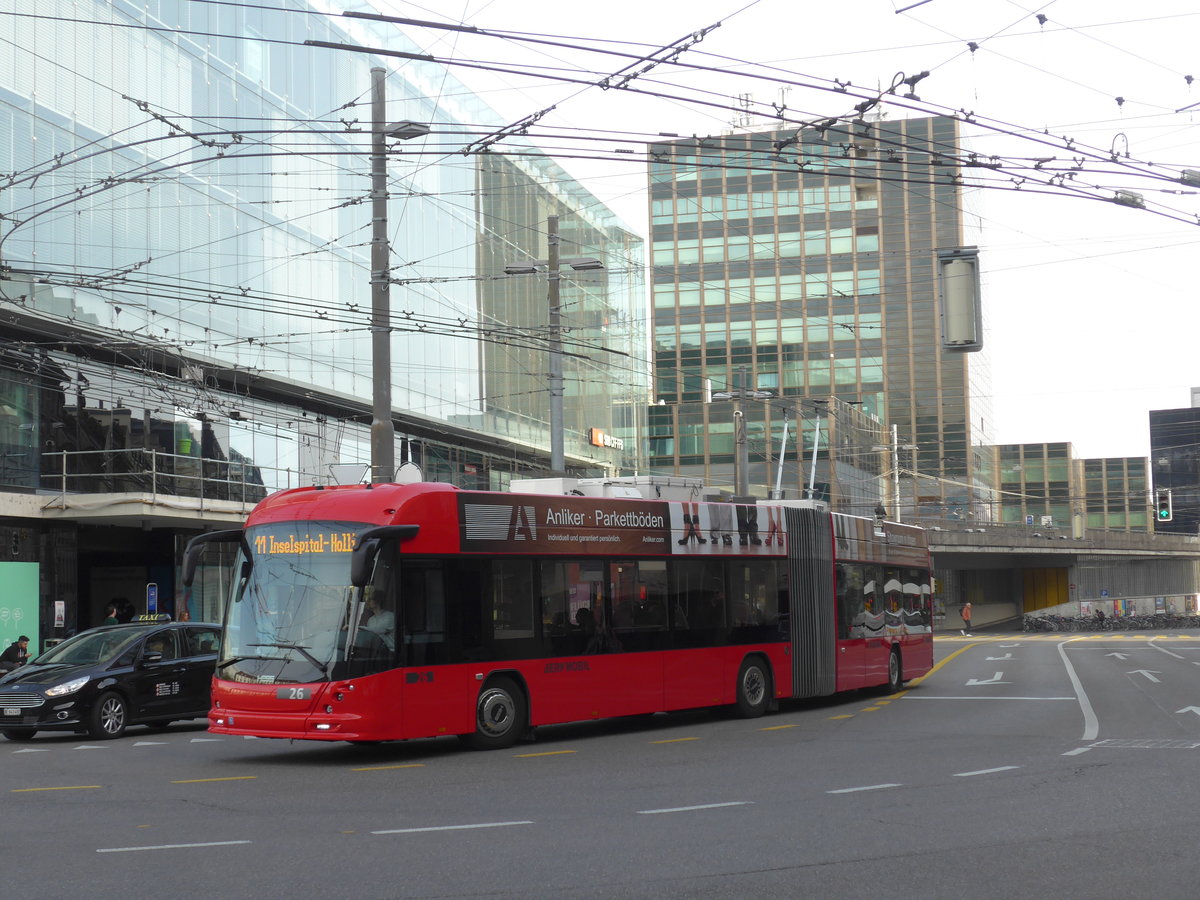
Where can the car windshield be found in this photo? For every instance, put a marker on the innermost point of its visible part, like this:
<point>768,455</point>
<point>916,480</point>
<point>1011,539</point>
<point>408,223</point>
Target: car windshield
<point>91,647</point>
<point>287,619</point>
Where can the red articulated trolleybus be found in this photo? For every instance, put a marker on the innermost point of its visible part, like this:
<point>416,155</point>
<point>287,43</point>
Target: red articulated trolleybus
<point>388,612</point>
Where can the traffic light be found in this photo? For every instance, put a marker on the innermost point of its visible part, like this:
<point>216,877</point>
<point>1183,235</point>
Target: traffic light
<point>1164,512</point>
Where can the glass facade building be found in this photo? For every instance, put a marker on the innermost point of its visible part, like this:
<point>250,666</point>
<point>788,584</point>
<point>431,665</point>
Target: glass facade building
<point>185,277</point>
<point>809,258</point>
<point>1175,452</point>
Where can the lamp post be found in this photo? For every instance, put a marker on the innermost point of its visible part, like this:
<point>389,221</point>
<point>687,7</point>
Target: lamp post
<point>895,449</point>
<point>741,456</point>
<point>552,266</point>
<point>383,431</point>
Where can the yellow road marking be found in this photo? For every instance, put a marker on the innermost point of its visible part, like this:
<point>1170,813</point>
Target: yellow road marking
<point>842,717</point>
<point>546,753</point>
<point>779,727</point>
<point>68,787</point>
<point>228,778</point>
<point>675,740</point>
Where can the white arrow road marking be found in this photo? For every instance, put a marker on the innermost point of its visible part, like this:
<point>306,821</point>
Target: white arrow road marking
<point>1118,655</point>
<point>1149,675</point>
<point>1194,709</point>
<point>995,679</point>
<point>998,658</point>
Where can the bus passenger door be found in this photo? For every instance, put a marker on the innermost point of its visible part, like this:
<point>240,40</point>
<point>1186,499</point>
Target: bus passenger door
<point>434,698</point>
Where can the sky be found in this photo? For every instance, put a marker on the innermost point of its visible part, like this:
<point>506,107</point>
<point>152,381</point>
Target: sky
<point>1090,312</point>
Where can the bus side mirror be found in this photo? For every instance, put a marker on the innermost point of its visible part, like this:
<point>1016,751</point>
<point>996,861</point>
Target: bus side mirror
<point>362,558</point>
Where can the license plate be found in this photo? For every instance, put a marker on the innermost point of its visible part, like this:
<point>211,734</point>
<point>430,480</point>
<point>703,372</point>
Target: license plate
<point>11,711</point>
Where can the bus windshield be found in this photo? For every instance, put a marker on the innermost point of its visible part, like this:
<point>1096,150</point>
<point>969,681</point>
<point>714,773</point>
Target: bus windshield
<point>288,617</point>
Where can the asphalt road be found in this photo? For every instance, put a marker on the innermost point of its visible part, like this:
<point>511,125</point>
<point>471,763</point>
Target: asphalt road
<point>1048,765</point>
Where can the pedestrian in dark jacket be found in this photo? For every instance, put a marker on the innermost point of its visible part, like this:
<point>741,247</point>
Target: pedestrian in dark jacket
<point>16,654</point>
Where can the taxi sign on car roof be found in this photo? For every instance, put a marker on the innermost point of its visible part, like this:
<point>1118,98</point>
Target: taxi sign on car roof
<point>151,619</point>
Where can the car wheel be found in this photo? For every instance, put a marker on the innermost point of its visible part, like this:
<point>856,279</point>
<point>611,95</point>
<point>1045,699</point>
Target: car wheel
<point>109,717</point>
<point>500,716</point>
<point>753,688</point>
<point>19,734</point>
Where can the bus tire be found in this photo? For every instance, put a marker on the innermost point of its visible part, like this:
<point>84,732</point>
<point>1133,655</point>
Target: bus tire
<point>895,671</point>
<point>500,716</point>
<point>753,687</point>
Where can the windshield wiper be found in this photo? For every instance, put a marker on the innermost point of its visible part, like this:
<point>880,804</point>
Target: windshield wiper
<point>233,659</point>
<point>303,652</point>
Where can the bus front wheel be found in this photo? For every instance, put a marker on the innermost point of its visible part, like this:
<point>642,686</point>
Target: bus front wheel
<point>753,688</point>
<point>500,716</point>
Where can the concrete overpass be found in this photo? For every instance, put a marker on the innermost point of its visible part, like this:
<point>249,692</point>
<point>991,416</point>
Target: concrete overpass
<point>1008,570</point>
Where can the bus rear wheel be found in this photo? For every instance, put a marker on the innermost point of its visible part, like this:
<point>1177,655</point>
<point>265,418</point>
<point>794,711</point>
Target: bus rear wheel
<point>895,672</point>
<point>500,716</point>
<point>753,688</point>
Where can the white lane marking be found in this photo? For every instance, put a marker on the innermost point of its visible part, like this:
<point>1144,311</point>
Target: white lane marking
<point>205,740</point>
<point>867,787</point>
<point>1091,725</point>
<point>170,847</point>
<point>972,697</point>
<point>1163,649</point>
<point>675,809</point>
<point>90,747</point>
<point>452,827</point>
<point>984,771</point>
<point>33,750</point>
<point>150,744</point>
<point>1077,751</point>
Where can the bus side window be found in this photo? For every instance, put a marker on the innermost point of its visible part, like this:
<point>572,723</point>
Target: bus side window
<point>423,602</point>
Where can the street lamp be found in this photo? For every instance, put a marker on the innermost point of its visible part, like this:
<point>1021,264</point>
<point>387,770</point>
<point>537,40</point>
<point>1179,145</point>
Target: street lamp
<point>383,431</point>
<point>552,267</point>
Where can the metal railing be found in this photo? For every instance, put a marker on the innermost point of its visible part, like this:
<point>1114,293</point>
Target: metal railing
<point>156,472</point>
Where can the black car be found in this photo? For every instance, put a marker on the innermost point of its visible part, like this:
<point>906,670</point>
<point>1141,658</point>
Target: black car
<point>102,680</point>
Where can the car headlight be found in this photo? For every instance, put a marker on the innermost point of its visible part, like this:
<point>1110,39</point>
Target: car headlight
<point>67,687</point>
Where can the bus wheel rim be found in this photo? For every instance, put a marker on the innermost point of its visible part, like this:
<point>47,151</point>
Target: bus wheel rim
<point>495,712</point>
<point>754,685</point>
